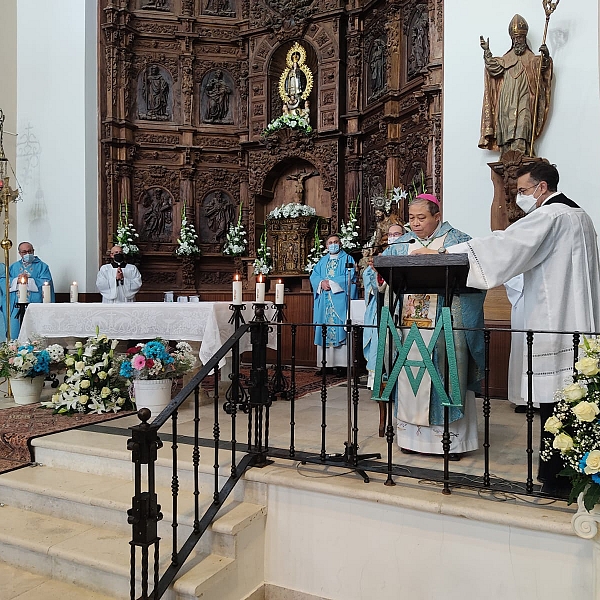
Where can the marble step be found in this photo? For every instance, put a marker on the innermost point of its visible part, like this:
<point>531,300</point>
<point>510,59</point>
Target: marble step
<point>98,558</point>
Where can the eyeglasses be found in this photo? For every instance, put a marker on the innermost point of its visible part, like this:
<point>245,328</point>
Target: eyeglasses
<point>24,252</point>
<point>523,190</point>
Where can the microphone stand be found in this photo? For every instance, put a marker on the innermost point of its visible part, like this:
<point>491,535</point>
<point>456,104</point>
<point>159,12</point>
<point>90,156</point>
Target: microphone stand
<point>350,457</point>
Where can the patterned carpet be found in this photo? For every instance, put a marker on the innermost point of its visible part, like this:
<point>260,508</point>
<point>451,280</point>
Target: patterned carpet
<point>19,425</point>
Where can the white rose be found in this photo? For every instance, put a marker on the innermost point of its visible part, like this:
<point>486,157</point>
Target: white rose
<point>574,392</point>
<point>83,399</point>
<point>553,425</point>
<point>78,345</point>
<point>102,375</point>
<point>587,366</point>
<point>592,463</point>
<point>79,365</point>
<point>85,384</point>
<point>105,392</point>
<point>69,361</point>
<point>563,442</point>
<point>586,411</point>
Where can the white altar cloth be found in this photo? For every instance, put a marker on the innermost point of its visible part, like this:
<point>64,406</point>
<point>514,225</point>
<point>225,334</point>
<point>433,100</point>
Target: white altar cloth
<point>205,322</point>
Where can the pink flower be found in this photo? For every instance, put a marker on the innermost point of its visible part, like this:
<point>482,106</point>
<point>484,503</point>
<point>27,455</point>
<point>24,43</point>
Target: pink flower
<point>138,362</point>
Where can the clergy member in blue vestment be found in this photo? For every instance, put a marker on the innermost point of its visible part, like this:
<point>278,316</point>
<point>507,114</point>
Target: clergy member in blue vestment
<point>331,292</point>
<point>420,416</point>
<point>37,273</point>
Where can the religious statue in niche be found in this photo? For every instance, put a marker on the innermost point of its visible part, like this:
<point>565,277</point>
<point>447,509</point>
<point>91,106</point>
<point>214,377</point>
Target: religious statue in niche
<point>156,5</point>
<point>377,65</point>
<point>158,216</point>
<point>296,83</point>
<point>418,46</point>
<point>219,8</point>
<point>384,218</point>
<point>299,179</point>
<point>219,213</point>
<point>155,95</point>
<point>509,101</point>
<point>217,100</point>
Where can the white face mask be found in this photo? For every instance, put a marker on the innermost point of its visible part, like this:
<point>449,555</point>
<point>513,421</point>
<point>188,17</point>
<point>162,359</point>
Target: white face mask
<point>527,202</point>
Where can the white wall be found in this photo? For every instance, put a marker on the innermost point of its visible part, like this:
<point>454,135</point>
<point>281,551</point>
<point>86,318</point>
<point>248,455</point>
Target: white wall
<point>572,134</point>
<point>57,162</point>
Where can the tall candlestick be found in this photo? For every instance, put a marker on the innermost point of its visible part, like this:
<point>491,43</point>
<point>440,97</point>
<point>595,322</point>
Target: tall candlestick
<point>74,296</point>
<point>260,290</point>
<point>279,292</point>
<point>22,290</point>
<point>46,293</point>
<point>237,290</point>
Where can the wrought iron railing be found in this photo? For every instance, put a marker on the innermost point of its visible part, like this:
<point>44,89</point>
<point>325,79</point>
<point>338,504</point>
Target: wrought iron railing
<point>252,397</point>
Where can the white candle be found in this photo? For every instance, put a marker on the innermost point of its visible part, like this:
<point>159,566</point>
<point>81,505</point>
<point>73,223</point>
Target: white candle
<point>260,290</point>
<point>22,289</point>
<point>237,290</point>
<point>46,295</point>
<point>74,296</point>
<point>279,292</point>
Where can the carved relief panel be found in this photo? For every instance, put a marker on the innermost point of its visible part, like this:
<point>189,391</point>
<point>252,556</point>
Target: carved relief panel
<point>155,94</point>
<point>217,212</point>
<point>217,98</point>
<point>156,215</point>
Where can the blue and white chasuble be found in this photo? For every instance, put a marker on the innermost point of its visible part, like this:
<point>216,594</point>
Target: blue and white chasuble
<point>330,306</point>
<point>37,272</point>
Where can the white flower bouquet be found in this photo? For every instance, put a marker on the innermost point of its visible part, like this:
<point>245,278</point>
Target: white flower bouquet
<point>289,121</point>
<point>92,384</point>
<point>349,232</point>
<point>126,235</point>
<point>236,238</point>
<point>576,427</point>
<point>186,242</point>
<point>262,264</point>
<point>293,210</point>
<point>28,359</point>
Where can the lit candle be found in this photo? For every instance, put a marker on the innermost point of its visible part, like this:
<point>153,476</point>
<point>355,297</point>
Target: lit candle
<point>279,291</point>
<point>22,289</point>
<point>46,295</point>
<point>260,290</point>
<point>74,292</point>
<point>237,290</point>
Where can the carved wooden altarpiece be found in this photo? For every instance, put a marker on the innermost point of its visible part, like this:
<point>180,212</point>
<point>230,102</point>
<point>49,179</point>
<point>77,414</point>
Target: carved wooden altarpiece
<point>188,86</point>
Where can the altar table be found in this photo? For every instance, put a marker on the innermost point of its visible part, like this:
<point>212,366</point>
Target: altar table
<point>206,322</point>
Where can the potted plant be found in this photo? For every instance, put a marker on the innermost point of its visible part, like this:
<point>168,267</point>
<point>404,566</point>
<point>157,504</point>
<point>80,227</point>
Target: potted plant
<point>26,364</point>
<point>152,367</point>
<point>92,383</point>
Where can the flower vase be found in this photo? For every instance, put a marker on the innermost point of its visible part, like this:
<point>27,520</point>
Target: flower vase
<point>154,394</point>
<point>27,390</point>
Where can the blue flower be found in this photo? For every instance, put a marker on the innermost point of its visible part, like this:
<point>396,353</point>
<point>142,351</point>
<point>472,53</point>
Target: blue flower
<point>155,350</point>
<point>583,461</point>
<point>126,370</point>
<point>43,363</point>
<point>596,478</point>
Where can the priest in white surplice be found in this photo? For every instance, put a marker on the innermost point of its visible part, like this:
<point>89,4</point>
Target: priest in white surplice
<point>118,281</point>
<point>555,248</point>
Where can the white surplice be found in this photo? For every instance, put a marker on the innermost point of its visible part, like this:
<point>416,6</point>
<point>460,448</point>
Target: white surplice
<point>556,250</point>
<point>106,282</point>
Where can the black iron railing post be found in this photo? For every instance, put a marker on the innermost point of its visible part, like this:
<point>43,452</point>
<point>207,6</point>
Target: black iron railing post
<point>144,514</point>
<point>486,409</point>
<point>278,386</point>
<point>529,482</point>
<point>259,382</point>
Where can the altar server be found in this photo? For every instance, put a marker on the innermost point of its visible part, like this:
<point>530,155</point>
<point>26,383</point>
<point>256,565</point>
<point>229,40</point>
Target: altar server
<point>333,281</point>
<point>36,272</point>
<point>118,281</point>
<point>555,248</point>
<point>421,416</point>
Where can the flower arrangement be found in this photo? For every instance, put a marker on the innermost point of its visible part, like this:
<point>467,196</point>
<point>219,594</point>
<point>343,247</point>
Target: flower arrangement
<point>92,384</point>
<point>289,121</point>
<point>262,264</point>
<point>576,427</point>
<point>349,232</point>
<point>155,360</point>
<point>316,252</point>
<point>28,359</point>
<point>292,210</point>
<point>126,234</point>
<point>236,238</point>
<point>186,242</point>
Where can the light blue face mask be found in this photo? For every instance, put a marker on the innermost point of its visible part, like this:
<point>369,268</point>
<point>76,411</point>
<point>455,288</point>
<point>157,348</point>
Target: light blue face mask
<point>28,258</point>
<point>333,248</point>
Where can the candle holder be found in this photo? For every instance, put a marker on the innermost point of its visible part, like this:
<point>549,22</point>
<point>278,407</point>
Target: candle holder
<point>21,308</point>
<point>259,311</point>
<point>278,385</point>
<point>237,318</point>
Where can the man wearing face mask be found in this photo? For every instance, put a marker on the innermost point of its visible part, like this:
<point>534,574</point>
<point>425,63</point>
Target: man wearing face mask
<point>37,273</point>
<point>117,281</point>
<point>329,280</point>
<point>555,248</point>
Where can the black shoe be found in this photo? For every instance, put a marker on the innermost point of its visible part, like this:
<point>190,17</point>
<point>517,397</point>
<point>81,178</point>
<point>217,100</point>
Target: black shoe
<point>341,371</point>
<point>520,409</point>
<point>454,456</point>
